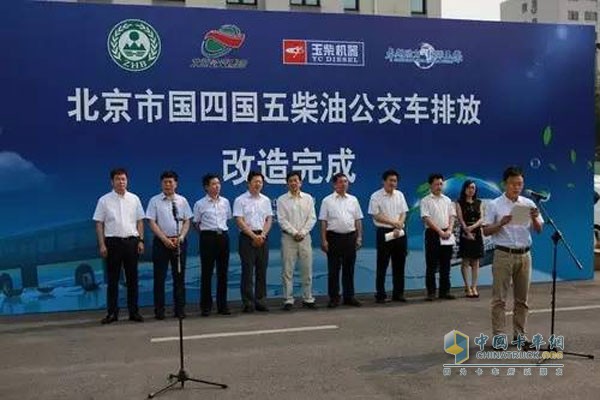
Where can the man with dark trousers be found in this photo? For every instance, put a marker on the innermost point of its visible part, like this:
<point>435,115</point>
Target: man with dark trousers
<point>119,220</point>
<point>341,236</point>
<point>169,215</point>
<point>254,215</point>
<point>211,214</point>
<point>438,215</point>
<point>388,208</point>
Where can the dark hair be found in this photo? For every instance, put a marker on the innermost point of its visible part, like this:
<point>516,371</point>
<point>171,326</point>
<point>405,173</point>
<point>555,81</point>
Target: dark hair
<point>252,174</point>
<point>169,174</point>
<point>512,171</point>
<point>337,176</point>
<point>434,176</point>
<point>207,178</point>
<point>462,198</point>
<point>117,171</point>
<point>390,172</point>
<point>293,173</point>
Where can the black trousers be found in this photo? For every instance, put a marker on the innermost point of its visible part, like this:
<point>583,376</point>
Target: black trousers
<point>122,253</point>
<point>436,256</point>
<point>341,254</point>
<point>214,249</point>
<point>396,250</point>
<point>254,262</point>
<point>161,258</point>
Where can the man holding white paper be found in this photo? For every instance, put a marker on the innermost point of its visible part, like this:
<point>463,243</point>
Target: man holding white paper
<point>388,208</point>
<point>512,258</point>
<point>438,215</point>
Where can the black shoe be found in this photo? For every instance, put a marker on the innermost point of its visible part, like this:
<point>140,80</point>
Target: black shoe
<point>248,309</point>
<point>109,319</point>
<point>288,307</point>
<point>382,301</point>
<point>447,296</point>
<point>353,302</point>
<point>136,317</point>
<point>180,314</point>
<point>205,313</point>
<point>333,303</point>
<point>312,306</point>
<point>159,315</point>
<point>225,311</point>
<point>261,308</point>
<point>430,297</point>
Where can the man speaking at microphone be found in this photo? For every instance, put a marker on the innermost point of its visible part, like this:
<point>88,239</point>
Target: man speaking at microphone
<point>169,217</point>
<point>512,257</point>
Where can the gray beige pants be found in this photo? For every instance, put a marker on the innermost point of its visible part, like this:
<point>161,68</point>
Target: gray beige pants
<point>292,251</point>
<point>509,267</point>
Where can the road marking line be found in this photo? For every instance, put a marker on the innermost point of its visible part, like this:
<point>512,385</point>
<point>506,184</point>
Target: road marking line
<point>545,310</point>
<point>244,333</point>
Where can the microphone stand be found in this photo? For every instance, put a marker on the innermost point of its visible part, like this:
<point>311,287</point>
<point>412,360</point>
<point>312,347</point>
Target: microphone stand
<point>557,236</point>
<point>181,376</point>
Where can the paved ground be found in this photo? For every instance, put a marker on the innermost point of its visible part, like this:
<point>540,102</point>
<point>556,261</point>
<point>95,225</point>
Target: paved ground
<point>376,352</point>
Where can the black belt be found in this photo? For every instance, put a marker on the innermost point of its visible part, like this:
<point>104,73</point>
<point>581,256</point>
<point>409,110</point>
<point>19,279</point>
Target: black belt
<point>122,239</point>
<point>505,249</point>
<point>341,234</point>
<point>213,232</point>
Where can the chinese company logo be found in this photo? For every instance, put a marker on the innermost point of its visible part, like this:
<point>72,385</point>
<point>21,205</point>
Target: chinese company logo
<point>503,356</point>
<point>457,344</point>
<point>134,45</point>
<point>425,57</point>
<point>323,52</point>
<point>217,44</point>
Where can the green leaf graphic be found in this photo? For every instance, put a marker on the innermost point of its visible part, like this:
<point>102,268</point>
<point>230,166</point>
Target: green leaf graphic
<point>573,156</point>
<point>423,188</point>
<point>547,135</point>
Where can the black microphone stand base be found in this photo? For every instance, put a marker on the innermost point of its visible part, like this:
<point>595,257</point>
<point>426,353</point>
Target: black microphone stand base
<point>183,377</point>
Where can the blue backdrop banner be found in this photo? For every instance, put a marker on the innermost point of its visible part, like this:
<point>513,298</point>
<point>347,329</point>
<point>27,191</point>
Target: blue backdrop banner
<point>85,88</point>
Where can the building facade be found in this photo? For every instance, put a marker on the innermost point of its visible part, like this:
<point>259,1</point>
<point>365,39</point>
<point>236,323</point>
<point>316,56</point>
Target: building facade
<point>400,8</point>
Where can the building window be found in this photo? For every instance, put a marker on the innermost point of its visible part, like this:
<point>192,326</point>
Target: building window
<point>314,3</point>
<point>573,15</point>
<point>590,16</point>
<point>246,2</point>
<point>350,5</point>
<point>523,8</point>
<point>418,6</point>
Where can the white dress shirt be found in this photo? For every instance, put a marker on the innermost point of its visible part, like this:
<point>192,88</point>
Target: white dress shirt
<point>120,214</point>
<point>439,209</point>
<point>391,205</point>
<point>340,212</point>
<point>296,214</point>
<point>254,210</point>
<point>212,214</point>
<point>160,210</point>
<point>510,235</point>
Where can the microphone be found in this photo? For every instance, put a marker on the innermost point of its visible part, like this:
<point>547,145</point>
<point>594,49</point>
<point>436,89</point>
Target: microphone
<point>174,209</point>
<point>537,196</point>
